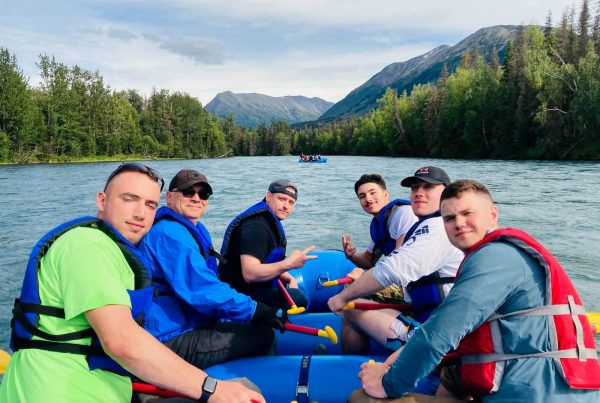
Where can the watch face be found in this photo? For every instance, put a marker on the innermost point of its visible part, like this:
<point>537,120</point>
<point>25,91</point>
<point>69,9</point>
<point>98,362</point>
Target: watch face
<point>210,384</point>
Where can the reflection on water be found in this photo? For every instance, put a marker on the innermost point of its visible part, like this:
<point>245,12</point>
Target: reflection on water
<point>558,202</point>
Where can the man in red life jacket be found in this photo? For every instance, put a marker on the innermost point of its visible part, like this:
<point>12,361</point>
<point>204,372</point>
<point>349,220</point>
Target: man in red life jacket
<point>513,316</point>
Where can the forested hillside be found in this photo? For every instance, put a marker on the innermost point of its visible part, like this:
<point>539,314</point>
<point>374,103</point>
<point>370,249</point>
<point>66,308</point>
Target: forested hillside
<point>543,101</point>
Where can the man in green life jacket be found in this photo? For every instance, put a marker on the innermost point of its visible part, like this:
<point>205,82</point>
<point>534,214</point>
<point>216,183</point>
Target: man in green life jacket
<point>86,275</point>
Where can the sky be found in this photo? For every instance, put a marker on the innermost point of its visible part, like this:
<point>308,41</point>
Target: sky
<point>314,48</point>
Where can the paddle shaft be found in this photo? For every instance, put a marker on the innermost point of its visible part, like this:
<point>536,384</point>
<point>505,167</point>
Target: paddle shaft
<point>339,281</point>
<point>372,306</point>
<point>286,294</point>
<point>153,390</point>
<point>302,329</point>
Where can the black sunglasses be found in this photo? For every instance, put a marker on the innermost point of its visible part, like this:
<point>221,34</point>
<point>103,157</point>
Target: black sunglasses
<point>137,167</point>
<point>203,194</point>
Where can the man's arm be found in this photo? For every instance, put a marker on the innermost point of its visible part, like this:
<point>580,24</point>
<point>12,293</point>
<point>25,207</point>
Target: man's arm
<point>141,354</point>
<point>487,279</point>
<point>186,272</point>
<point>364,285</point>
<point>254,271</point>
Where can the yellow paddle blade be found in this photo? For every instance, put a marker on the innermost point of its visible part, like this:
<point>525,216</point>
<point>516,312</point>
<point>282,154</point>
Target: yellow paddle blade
<point>4,359</point>
<point>594,318</point>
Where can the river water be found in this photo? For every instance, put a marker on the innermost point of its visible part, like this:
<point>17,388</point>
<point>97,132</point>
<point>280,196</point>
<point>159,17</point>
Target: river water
<point>557,202</point>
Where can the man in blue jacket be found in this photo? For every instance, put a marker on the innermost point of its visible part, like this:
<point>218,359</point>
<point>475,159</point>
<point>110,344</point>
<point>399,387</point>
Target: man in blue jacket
<point>195,314</point>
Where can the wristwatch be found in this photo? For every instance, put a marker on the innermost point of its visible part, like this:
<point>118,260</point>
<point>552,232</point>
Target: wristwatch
<point>208,388</point>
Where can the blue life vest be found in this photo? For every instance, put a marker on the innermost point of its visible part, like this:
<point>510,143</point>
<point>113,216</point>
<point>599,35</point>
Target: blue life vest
<point>427,292</point>
<point>380,234</point>
<point>28,307</point>
<point>198,232</point>
<point>278,253</point>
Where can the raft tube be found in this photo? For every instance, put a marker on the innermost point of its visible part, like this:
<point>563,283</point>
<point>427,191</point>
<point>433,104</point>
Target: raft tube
<point>330,265</point>
<point>331,379</point>
<point>321,161</point>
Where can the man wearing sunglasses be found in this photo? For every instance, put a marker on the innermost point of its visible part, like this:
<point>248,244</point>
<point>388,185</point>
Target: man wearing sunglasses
<point>74,333</point>
<point>195,314</point>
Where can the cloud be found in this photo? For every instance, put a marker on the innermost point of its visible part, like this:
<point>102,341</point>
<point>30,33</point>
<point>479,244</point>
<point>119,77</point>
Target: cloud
<point>201,51</point>
<point>121,34</point>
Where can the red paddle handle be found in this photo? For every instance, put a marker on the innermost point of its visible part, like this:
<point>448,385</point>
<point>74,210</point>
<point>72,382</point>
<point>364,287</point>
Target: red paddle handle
<point>345,280</point>
<point>286,295</point>
<point>156,391</point>
<point>153,390</point>
<point>368,306</point>
<point>302,329</point>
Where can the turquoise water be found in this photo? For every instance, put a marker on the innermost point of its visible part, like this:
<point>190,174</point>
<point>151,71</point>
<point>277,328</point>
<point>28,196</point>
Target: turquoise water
<point>558,202</point>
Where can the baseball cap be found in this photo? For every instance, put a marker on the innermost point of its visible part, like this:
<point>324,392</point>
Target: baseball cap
<point>186,178</point>
<point>430,174</point>
<point>281,185</point>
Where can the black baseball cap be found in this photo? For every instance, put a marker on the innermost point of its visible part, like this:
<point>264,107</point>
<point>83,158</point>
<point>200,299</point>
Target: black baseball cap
<point>186,178</point>
<point>281,186</point>
<point>430,174</point>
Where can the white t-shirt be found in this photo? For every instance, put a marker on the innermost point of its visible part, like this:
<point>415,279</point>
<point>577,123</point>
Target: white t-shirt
<point>427,251</point>
<point>401,219</point>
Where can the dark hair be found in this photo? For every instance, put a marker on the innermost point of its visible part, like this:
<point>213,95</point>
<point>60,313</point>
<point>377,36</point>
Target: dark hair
<point>457,188</point>
<point>136,167</point>
<point>369,178</point>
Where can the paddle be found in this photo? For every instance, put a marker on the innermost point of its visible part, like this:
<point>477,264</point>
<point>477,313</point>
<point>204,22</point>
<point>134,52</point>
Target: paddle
<point>343,280</point>
<point>153,390</point>
<point>372,306</point>
<point>328,332</point>
<point>4,359</point>
<point>593,317</point>
<point>294,309</point>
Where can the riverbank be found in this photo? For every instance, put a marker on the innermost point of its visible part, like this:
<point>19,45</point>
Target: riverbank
<point>83,160</point>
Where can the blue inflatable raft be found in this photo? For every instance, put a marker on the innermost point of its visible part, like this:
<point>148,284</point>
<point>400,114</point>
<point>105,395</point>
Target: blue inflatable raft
<point>305,367</point>
<point>321,160</point>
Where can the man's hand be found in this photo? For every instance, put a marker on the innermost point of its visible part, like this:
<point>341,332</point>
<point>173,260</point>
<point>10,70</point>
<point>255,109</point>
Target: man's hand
<point>270,316</point>
<point>355,273</point>
<point>336,303</point>
<point>289,279</point>
<point>347,246</point>
<point>298,257</point>
<point>234,392</point>
<point>370,376</point>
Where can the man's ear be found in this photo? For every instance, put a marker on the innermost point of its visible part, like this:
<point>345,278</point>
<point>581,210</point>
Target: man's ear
<point>494,213</point>
<point>101,203</point>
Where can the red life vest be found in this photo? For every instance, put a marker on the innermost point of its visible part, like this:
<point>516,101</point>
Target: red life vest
<point>571,336</point>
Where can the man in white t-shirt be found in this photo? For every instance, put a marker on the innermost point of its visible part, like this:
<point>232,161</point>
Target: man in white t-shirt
<point>424,266</point>
<point>391,220</point>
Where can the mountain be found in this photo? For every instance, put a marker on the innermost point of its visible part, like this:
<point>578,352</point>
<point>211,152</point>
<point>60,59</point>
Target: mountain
<point>250,110</point>
<point>419,70</point>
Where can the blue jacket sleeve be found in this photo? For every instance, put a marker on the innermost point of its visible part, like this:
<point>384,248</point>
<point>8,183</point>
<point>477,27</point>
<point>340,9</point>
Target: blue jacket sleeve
<point>177,261</point>
<point>486,280</point>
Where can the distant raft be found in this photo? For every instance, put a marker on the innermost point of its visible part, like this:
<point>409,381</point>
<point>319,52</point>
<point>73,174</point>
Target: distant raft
<point>314,159</point>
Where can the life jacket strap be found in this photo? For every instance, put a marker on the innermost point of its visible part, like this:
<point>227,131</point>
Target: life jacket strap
<point>217,255</point>
<point>427,280</point>
<point>19,315</point>
<point>20,343</point>
<point>302,385</point>
<point>590,353</point>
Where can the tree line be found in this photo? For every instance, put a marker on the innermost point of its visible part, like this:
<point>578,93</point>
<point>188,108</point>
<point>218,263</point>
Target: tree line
<point>542,102</point>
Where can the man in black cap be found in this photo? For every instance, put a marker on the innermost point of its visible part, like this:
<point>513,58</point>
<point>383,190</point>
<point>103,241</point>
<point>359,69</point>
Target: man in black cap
<point>424,266</point>
<point>194,313</point>
<point>254,248</point>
